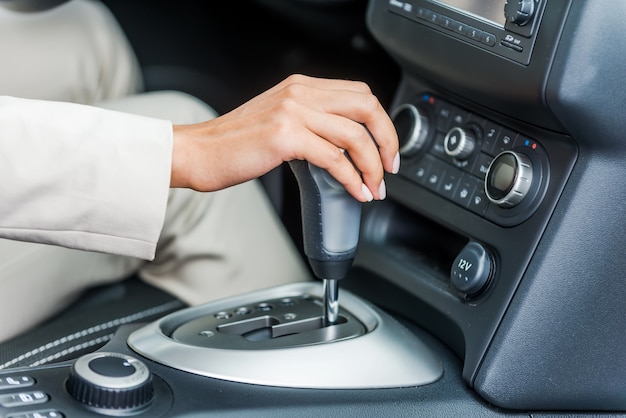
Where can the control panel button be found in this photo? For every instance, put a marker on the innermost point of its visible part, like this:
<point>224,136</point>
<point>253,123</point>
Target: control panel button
<point>490,136</point>
<point>12,382</point>
<point>460,28</point>
<point>435,175</point>
<point>472,269</point>
<point>478,201</point>
<point>482,165</point>
<point>445,113</point>
<point>488,38</point>
<point>450,182</point>
<point>446,22</point>
<point>23,399</point>
<point>419,171</point>
<point>465,190</point>
<point>508,179</point>
<point>505,141</point>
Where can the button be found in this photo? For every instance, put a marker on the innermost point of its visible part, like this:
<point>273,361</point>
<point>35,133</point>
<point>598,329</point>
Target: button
<point>463,193</point>
<point>509,45</point>
<point>401,7</point>
<point>490,136</point>
<point>13,382</point>
<point>417,171</point>
<point>421,12</point>
<point>460,28</point>
<point>449,183</point>
<point>482,165</point>
<point>438,146</point>
<point>488,38</point>
<point>431,16</point>
<point>23,398</point>
<point>445,22</point>
<point>444,116</point>
<point>478,200</point>
<point>459,117</point>
<point>505,141</point>
<point>435,175</point>
<point>474,33</point>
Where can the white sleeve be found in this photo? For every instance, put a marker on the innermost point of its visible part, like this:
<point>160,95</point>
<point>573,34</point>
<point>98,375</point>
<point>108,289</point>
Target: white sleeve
<point>83,177</point>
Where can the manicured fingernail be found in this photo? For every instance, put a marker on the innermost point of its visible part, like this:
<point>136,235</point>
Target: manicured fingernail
<point>366,193</point>
<point>382,190</point>
<point>396,164</point>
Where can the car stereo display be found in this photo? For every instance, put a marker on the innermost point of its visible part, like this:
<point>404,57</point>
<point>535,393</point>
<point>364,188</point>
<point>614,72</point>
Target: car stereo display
<point>491,11</point>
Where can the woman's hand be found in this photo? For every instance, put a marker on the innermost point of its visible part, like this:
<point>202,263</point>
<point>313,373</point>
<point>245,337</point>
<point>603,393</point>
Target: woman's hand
<point>301,118</point>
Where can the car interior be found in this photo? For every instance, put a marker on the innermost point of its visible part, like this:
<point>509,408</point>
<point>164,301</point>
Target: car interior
<point>489,282</point>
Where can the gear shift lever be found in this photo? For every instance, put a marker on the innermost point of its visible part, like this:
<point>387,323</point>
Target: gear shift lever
<point>331,220</point>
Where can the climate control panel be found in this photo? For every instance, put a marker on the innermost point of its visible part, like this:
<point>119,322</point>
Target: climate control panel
<point>487,168</point>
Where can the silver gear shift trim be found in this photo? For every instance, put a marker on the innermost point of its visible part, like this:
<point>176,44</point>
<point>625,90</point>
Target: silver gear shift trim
<point>331,302</point>
<point>386,355</point>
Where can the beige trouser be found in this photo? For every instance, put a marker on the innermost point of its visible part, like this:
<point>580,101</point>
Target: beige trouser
<point>212,244</point>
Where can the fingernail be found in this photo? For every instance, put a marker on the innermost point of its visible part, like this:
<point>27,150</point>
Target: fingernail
<point>396,164</point>
<point>382,190</point>
<point>366,193</point>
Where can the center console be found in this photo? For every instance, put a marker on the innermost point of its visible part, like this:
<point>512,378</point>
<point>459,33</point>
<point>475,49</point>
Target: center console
<point>507,115</point>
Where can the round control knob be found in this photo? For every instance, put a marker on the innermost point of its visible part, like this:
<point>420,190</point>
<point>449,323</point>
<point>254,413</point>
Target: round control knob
<point>111,381</point>
<point>472,269</point>
<point>508,178</point>
<point>412,128</point>
<point>519,12</point>
<point>459,143</point>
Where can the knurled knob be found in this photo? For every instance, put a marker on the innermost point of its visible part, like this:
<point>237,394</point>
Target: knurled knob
<point>412,127</point>
<point>459,143</point>
<point>519,12</point>
<point>111,381</point>
<point>508,178</point>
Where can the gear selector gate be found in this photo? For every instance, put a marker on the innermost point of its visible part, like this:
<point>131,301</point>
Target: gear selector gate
<point>298,335</point>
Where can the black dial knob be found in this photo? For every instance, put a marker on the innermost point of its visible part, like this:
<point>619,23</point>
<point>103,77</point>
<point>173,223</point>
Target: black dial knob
<point>472,269</point>
<point>519,12</point>
<point>508,178</point>
<point>412,128</point>
<point>111,381</point>
<point>459,143</point>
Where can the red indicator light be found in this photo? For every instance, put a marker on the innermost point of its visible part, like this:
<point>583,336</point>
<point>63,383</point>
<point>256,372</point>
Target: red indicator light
<point>534,146</point>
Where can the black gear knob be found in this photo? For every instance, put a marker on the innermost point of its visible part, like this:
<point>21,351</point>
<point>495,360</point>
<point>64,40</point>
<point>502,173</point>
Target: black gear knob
<point>331,220</point>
